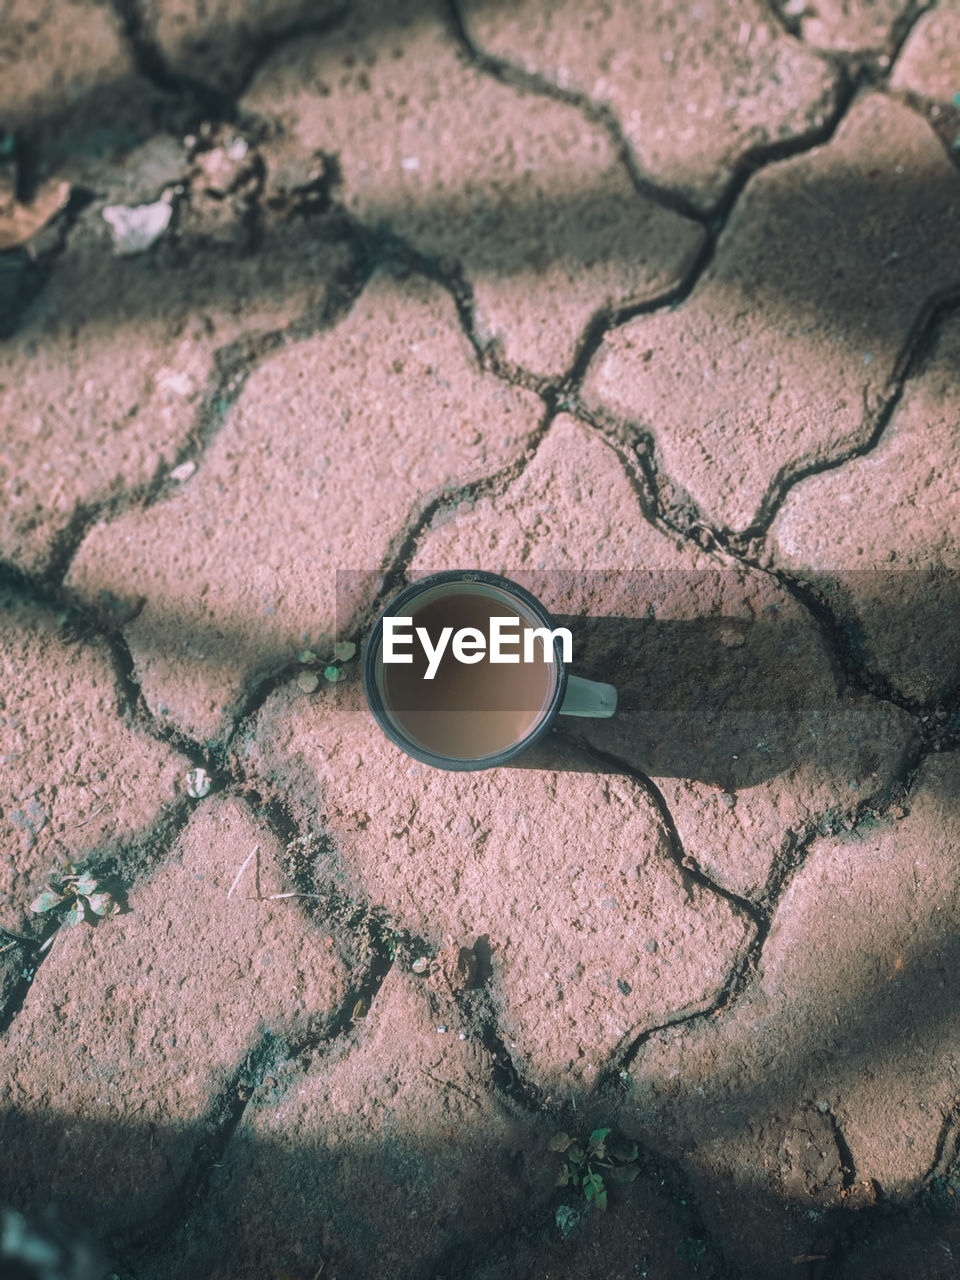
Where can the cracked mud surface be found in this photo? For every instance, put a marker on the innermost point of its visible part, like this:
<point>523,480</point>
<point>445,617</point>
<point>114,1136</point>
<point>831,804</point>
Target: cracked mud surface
<point>657,313</point>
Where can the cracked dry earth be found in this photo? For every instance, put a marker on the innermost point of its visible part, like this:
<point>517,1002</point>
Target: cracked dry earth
<point>654,307</point>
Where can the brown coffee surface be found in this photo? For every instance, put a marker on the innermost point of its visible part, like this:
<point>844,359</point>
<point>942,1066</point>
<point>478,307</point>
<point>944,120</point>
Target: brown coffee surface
<point>467,710</point>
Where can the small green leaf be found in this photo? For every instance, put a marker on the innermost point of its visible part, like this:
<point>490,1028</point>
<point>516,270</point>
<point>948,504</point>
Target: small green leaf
<point>306,655</point>
<point>75,914</point>
<point>598,1135</point>
<point>592,1186</point>
<point>344,650</point>
<point>332,674</point>
<point>102,904</point>
<point>624,1152</point>
<point>575,1153</point>
<point>86,884</point>
<point>563,1177</point>
<point>560,1142</point>
<point>46,901</point>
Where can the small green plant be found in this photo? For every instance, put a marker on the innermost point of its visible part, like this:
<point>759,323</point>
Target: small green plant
<point>588,1165</point>
<point>343,651</point>
<point>79,892</point>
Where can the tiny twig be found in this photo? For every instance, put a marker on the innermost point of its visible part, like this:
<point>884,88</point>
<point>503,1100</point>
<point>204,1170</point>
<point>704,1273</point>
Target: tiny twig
<point>246,863</point>
<point>89,818</point>
<point>272,897</point>
<point>20,937</point>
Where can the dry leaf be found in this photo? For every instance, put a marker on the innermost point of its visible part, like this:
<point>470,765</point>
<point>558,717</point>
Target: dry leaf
<point>18,222</point>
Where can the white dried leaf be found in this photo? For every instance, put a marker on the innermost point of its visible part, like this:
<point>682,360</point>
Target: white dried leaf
<point>136,227</point>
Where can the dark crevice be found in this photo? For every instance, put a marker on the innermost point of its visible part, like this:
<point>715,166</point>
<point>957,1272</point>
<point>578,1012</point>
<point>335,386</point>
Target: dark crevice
<point>233,366</point>
<point>222,1119</point>
<point>916,349</point>
<point>479,1010</point>
<point>690,872</point>
<point>848,1168</point>
<point>903,26</point>
<point>752,159</point>
<point>210,102</point>
<point>404,546</point>
<point>117,868</point>
<point>605,320</point>
<point>21,964</point>
<point>691,875</point>
<point>514,77</point>
<point>369,941</point>
<point>855,672</point>
<point>947,1150</point>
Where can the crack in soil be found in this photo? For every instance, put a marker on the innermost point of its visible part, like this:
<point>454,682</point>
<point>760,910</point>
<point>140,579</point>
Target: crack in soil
<point>234,364</point>
<point>117,871</point>
<point>916,348</point>
<point>214,104</point>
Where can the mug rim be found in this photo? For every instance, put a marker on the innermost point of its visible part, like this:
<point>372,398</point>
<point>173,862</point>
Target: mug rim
<point>374,646</point>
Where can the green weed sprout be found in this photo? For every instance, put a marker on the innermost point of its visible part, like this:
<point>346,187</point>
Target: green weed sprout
<point>80,893</point>
<point>589,1165</point>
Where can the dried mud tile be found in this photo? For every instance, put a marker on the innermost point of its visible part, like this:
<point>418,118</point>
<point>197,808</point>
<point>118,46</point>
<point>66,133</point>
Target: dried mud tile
<point>877,537</point>
<point>401,1126</point>
<point>694,87</point>
<point>131,1032</point>
<point>775,363</point>
<point>929,62</point>
<point>115,367</point>
<point>76,779</point>
<point>522,193</point>
<point>590,942</point>
<point>333,442</point>
<point>727,694</point>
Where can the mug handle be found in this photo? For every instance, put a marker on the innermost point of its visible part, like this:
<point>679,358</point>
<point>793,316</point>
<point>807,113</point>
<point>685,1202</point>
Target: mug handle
<point>590,699</point>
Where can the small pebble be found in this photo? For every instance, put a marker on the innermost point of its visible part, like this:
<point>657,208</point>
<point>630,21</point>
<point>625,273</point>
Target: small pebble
<point>198,783</point>
<point>135,228</point>
<point>462,1035</point>
<point>183,472</point>
<point>419,965</point>
<point>441,1030</point>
